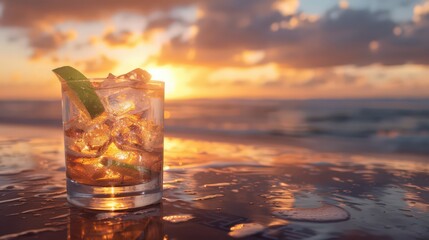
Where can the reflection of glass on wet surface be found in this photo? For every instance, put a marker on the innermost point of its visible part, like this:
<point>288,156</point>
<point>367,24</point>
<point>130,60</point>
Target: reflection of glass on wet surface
<point>142,224</point>
<point>385,196</point>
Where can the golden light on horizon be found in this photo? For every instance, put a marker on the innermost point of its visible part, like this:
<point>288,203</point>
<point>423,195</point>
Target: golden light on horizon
<point>167,76</point>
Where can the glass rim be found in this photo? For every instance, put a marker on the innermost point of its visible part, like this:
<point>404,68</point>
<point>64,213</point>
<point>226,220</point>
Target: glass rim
<point>151,83</point>
<point>124,79</point>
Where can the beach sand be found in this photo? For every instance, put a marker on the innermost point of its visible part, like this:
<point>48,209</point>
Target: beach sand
<point>290,189</point>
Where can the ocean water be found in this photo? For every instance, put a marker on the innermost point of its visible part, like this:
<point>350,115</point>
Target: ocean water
<point>385,125</point>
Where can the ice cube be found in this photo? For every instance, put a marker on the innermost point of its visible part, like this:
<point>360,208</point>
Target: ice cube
<point>118,104</point>
<point>119,101</point>
<point>128,164</point>
<point>85,170</point>
<point>122,94</point>
<point>137,74</point>
<point>81,122</point>
<point>111,76</point>
<point>133,133</point>
<point>127,133</point>
<point>152,135</point>
<point>132,78</point>
<point>152,161</point>
<point>114,84</point>
<point>87,138</point>
<point>120,155</point>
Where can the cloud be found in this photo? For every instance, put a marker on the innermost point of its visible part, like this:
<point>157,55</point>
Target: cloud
<point>343,4</point>
<point>287,7</point>
<point>101,64</point>
<point>121,38</point>
<point>420,10</point>
<point>240,33</point>
<point>271,76</point>
<point>313,79</point>
<point>162,23</point>
<point>26,13</point>
<point>339,37</point>
<point>329,78</point>
<point>37,19</point>
<point>44,43</point>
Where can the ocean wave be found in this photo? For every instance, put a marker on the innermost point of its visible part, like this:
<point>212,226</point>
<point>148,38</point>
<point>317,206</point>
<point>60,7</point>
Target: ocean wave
<point>395,124</point>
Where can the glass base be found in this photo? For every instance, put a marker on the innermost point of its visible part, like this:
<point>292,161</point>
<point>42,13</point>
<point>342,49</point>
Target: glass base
<point>114,198</point>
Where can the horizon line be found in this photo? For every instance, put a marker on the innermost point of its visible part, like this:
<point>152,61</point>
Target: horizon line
<point>248,99</point>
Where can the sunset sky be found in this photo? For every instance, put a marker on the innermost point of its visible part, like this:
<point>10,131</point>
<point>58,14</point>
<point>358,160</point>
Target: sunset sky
<point>221,48</point>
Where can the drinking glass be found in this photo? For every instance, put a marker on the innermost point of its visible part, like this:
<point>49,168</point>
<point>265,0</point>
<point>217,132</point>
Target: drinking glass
<point>114,160</point>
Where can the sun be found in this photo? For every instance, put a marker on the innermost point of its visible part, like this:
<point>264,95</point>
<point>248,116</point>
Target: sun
<point>165,75</point>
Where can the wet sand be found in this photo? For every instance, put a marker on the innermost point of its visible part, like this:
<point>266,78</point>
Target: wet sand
<point>212,184</point>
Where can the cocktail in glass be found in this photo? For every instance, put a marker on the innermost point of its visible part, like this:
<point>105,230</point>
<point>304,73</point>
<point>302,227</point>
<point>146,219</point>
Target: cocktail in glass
<point>114,154</point>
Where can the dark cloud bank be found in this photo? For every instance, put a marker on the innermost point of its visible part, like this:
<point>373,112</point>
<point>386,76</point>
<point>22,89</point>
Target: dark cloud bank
<point>228,27</point>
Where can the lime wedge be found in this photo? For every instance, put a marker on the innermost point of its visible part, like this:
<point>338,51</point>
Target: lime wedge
<point>81,92</point>
<point>124,168</point>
